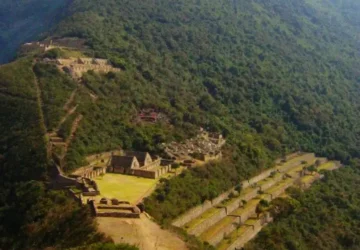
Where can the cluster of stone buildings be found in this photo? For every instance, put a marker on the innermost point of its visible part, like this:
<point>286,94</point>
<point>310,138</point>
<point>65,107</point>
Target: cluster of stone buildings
<point>204,147</point>
<point>139,164</point>
<point>76,67</point>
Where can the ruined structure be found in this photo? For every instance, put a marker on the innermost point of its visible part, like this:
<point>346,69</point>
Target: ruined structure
<point>48,44</point>
<point>204,147</point>
<point>89,172</point>
<point>35,46</point>
<point>150,116</point>
<point>76,67</point>
<point>114,208</point>
<point>139,164</point>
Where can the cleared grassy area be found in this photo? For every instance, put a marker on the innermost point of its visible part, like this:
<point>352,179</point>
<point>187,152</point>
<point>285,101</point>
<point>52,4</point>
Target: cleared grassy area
<point>124,187</point>
<point>210,212</point>
<point>327,166</point>
<point>249,205</point>
<point>278,186</point>
<point>225,244</point>
<point>216,228</point>
<point>308,179</point>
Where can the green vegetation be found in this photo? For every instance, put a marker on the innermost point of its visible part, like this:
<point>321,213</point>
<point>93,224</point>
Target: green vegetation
<point>31,215</point>
<point>273,76</point>
<point>324,217</point>
<point>56,88</point>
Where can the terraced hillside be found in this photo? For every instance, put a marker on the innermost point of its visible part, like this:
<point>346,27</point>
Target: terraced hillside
<point>231,221</point>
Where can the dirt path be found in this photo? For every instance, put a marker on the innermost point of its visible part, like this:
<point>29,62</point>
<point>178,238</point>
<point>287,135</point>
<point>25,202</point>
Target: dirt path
<point>70,100</point>
<point>39,100</point>
<point>143,232</point>
<point>73,131</point>
<point>70,112</point>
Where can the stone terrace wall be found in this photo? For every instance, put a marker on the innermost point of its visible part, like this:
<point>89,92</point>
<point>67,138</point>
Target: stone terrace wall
<point>233,205</point>
<point>198,210</point>
<point>192,214</point>
<point>202,227</point>
<point>271,182</point>
<point>250,233</point>
<point>257,178</point>
<point>216,239</point>
<point>288,157</point>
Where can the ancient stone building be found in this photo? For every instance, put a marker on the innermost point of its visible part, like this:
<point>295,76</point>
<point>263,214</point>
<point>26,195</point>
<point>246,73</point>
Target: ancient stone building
<point>138,164</point>
<point>124,164</point>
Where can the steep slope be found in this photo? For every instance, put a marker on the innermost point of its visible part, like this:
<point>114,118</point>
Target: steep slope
<point>325,217</point>
<point>273,65</point>
<point>273,76</point>
<point>24,20</point>
<point>31,216</point>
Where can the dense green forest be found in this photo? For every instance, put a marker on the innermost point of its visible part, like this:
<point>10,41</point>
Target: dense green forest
<point>273,76</point>
<point>24,20</point>
<point>324,217</point>
<point>31,215</point>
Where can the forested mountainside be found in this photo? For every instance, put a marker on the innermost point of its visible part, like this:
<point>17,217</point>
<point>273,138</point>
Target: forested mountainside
<point>31,216</point>
<point>24,20</point>
<point>324,217</point>
<point>273,76</point>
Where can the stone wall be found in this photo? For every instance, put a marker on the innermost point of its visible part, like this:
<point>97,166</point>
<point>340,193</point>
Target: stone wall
<point>61,181</point>
<point>192,214</point>
<point>145,173</point>
<point>257,178</point>
<point>198,210</point>
<point>203,226</point>
<point>217,238</point>
<point>250,233</point>
<point>233,205</point>
<point>271,182</point>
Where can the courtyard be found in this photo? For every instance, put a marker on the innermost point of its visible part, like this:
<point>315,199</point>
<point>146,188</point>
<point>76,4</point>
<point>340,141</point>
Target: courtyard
<point>124,187</point>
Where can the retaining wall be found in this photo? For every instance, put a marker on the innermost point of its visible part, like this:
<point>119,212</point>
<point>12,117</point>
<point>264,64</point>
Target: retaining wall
<point>192,214</point>
<point>216,239</point>
<point>198,210</point>
<point>250,233</point>
<point>271,182</point>
<point>202,227</point>
<point>118,215</point>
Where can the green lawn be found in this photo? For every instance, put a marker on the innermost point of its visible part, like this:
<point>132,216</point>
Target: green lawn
<point>124,187</point>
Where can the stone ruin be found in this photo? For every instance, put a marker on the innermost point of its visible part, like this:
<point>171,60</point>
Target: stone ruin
<point>204,147</point>
<point>76,67</point>
<point>114,208</point>
<point>140,164</point>
<point>48,44</point>
<point>151,116</point>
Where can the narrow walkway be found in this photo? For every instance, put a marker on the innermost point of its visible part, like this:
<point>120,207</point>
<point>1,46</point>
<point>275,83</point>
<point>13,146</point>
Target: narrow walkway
<point>70,112</point>
<point>39,100</point>
<point>70,100</point>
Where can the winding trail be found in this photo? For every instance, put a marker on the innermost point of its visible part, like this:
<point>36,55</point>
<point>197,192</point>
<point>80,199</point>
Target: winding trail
<point>70,100</point>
